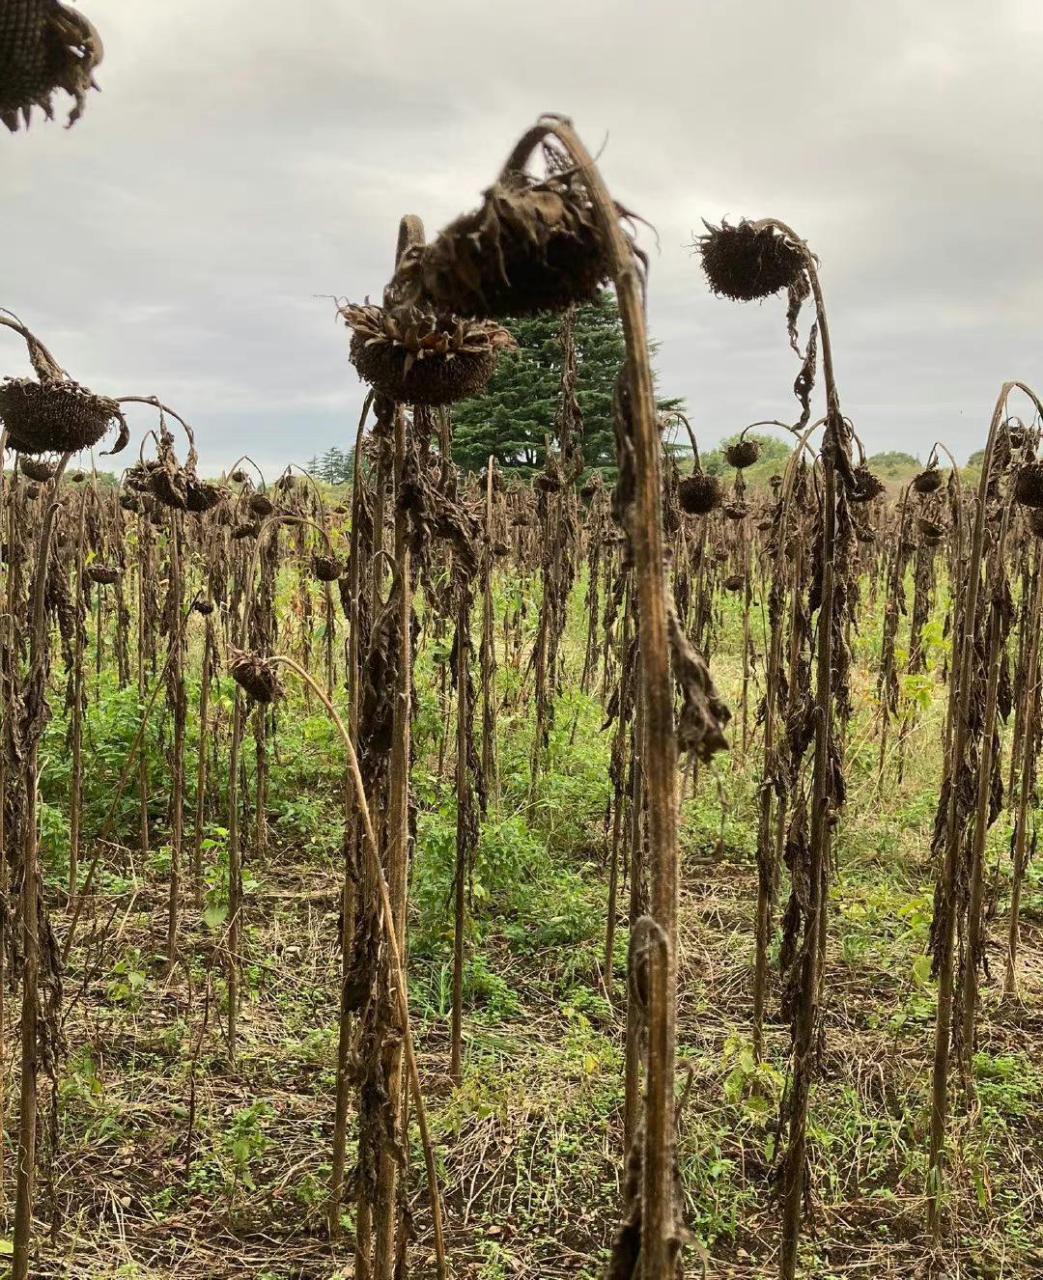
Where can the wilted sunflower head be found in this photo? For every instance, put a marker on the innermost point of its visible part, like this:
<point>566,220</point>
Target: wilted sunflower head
<point>745,262</point>
<point>37,469</point>
<point>44,47</point>
<point>867,486</point>
<point>534,244</point>
<point>1028,487</point>
<point>257,675</point>
<point>326,568</point>
<point>104,574</point>
<point>699,494</point>
<point>260,504</point>
<point>202,496</point>
<point>929,480</point>
<point>415,357</point>
<point>742,453</point>
<point>56,415</point>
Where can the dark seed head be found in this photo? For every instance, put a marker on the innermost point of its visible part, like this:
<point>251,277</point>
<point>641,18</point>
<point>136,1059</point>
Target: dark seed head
<point>257,675</point>
<point>867,486</point>
<point>326,568</point>
<point>103,573</point>
<point>699,494</point>
<point>743,453</point>
<point>56,416</point>
<point>36,469</point>
<point>534,245</point>
<point>928,481</point>
<point>1028,487</point>
<point>745,263</point>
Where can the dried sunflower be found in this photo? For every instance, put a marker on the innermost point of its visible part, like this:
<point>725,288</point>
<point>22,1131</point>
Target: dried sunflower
<point>44,47</point>
<point>746,262</point>
<point>326,568</point>
<point>257,675</point>
<point>38,470</point>
<point>534,244</point>
<point>699,494</point>
<point>742,453</point>
<point>867,486</point>
<point>169,484</point>
<point>201,495</point>
<point>103,573</point>
<point>56,415</point>
<point>928,481</point>
<point>414,357</point>
<point>1028,487</point>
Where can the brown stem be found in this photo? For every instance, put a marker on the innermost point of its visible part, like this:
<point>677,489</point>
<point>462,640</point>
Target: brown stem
<point>1030,730</point>
<point>29,903</point>
<point>660,1231</point>
<point>960,728</point>
<point>386,1213</point>
<point>392,935</point>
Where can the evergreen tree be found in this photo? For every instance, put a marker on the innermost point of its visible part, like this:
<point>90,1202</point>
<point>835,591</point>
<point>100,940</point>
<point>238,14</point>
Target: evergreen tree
<point>336,466</point>
<point>512,419</point>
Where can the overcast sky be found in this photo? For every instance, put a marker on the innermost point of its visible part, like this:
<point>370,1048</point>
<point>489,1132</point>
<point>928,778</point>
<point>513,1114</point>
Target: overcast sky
<point>249,159</point>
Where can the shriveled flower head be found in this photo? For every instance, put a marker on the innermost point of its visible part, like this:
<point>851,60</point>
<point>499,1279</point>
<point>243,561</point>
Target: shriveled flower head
<point>415,357</point>
<point>742,453</point>
<point>1028,487</point>
<point>745,262</point>
<point>44,47</point>
<point>202,496</point>
<point>257,675</point>
<point>326,568</point>
<point>56,415</point>
<point>699,494</point>
<point>867,485</point>
<point>37,469</point>
<point>104,574</point>
<point>534,244</point>
<point>928,481</point>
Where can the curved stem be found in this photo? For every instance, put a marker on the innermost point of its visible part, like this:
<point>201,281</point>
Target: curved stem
<point>660,1230</point>
<point>391,936</point>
